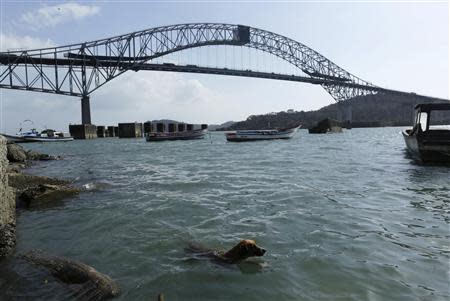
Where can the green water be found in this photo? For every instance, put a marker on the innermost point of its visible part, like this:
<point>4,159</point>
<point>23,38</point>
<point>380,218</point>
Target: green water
<point>343,217</point>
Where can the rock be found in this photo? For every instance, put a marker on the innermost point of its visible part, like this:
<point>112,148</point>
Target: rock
<point>7,206</point>
<point>45,193</point>
<point>15,167</point>
<point>32,155</point>
<point>326,126</point>
<point>33,190</point>
<point>89,284</point>
<point>22,181</point>
<point>45,157</point>
<point>15,153</point>
<point>7,239</point>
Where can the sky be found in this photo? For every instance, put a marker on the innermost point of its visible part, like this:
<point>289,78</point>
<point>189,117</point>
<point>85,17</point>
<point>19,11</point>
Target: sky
<point>402,45</point>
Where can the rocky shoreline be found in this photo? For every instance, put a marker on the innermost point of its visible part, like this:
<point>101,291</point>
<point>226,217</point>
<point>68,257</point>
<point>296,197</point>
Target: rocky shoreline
<point>31,190</point>
<point>22,191</point>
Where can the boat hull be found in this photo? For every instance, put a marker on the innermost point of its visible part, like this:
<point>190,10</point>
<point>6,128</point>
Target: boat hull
<point>13,138</point>
<point>259,135</point>
<point>191,135</point>
<point>427,150</point>
<point>47,139</point>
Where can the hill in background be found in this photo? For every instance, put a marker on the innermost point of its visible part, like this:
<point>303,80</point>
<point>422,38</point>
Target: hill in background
<point>367,111</point>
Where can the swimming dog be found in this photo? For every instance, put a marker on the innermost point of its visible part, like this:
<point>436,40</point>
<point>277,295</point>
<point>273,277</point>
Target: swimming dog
<point>244,249</point>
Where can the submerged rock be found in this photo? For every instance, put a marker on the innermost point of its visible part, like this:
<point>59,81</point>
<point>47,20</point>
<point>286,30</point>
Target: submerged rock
<point>34,190</point>
<point>45,193</point>
<point>86,282</point>
<point>22,181</point>
<point>32,155</point>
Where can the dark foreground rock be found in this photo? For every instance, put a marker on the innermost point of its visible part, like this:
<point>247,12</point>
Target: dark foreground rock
<point>7,239</point>
<point>326,125</point>
<point>32,155</point>
<point>22,181</point>
<point>45,193</point>
<point>16,153</point>
<point>32,191</point>
<point>7,206</point>
<point>86,282</point>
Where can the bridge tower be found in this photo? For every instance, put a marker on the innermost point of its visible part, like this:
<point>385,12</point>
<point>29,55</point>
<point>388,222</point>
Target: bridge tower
<point>85,110</point>
<point>344,114</point>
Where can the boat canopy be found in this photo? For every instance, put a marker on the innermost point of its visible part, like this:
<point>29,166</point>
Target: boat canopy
<point>427,107</point>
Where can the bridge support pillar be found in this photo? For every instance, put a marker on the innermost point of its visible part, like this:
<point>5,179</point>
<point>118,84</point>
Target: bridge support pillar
<point>85,110</point>
<point>348,117</point>
<point>344,114</point>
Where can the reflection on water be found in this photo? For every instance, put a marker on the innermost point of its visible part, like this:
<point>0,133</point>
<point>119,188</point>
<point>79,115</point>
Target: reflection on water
<point>343,216</point>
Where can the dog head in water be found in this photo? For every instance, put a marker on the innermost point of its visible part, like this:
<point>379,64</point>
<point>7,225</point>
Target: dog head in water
<point>244,249</point>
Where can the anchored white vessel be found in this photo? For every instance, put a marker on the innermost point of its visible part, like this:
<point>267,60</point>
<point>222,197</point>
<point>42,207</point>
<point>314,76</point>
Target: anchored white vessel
<point>35,136</point>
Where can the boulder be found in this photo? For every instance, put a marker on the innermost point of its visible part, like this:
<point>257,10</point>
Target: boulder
<point>45,157</point>
<point>44,193</point>
<point>7,238</point>
<point>32,155</point>
<point>32,191</point>
<point>15,153</point>
<point>7,207</point>
<point>88,283</point>
<point>21,181</point>
<point>15,167</point>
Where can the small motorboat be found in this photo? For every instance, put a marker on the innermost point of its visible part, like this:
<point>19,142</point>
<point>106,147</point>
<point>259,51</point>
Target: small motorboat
<point>256,135</point>
<point>425,142</point>
<point>184,135</point>
<point>14,138</point>
<point>34,136</point>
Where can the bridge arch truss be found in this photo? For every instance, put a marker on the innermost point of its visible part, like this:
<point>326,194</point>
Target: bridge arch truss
<point>80,69</point>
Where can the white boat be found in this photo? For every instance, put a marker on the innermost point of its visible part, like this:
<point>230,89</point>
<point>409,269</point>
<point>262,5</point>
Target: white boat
<point>13,138</point>
<point>256,135</point>
<point>35,136</point>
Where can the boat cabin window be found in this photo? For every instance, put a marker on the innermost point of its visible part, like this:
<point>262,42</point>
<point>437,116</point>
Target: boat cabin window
<point>422,120</point>
<point>439,120</point>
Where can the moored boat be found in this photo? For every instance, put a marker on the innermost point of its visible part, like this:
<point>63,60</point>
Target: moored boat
<point>256,135</point>
<point>14,138</point>
<point>35,136</point>
<point>184,135</point>
<point>427,143</point>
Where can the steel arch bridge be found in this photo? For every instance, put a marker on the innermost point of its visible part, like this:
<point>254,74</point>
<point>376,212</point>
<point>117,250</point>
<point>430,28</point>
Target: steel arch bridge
<point>80,69</point>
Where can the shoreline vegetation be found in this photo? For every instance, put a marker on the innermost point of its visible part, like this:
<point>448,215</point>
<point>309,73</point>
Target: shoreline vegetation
<point>23,191</point>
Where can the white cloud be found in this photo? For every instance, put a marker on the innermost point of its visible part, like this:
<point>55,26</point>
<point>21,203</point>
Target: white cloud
<point>50,16</point>
<point>153,95</point>
<point>14,42</point>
